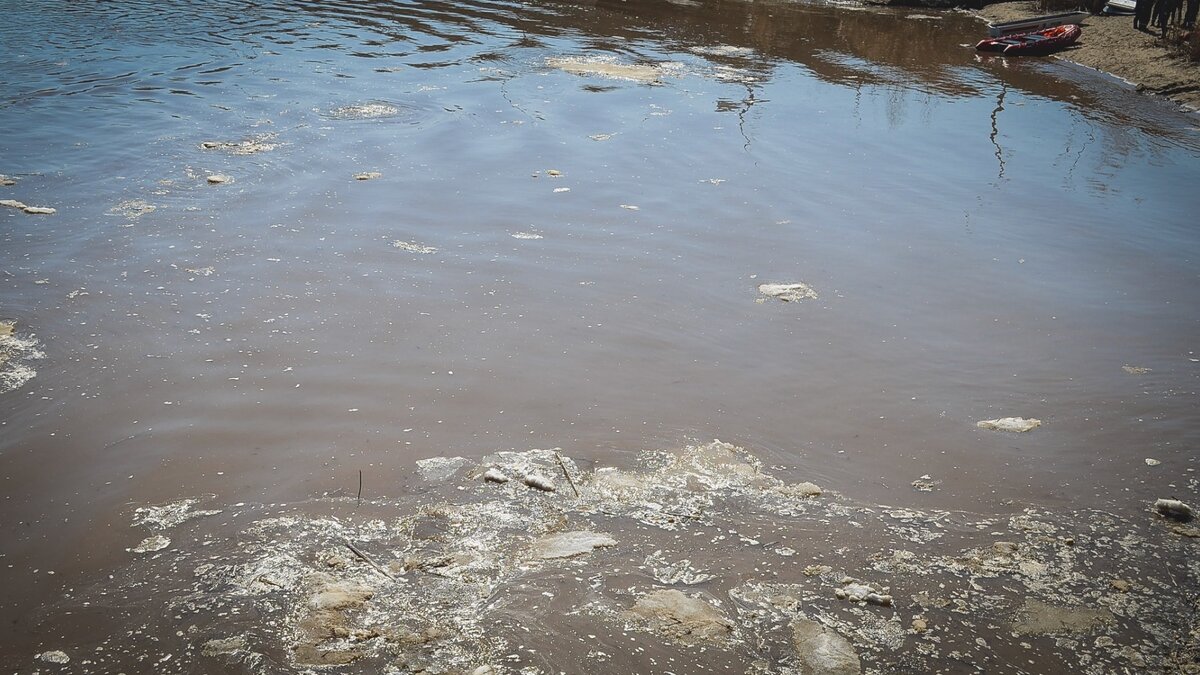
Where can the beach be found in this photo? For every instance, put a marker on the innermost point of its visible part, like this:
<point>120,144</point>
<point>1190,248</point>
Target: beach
<point>1112,45</point>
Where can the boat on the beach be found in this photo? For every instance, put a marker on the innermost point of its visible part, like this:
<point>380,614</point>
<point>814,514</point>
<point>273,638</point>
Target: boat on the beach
<point>1124,7</point>
<point>1035,23</point>
<point>1034,43</point>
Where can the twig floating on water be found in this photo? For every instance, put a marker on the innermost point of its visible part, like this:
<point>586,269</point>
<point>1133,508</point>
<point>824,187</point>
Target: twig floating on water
<point>368,560</point>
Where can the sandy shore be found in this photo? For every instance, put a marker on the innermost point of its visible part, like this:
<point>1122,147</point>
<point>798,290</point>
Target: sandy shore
<point>1111,44</point>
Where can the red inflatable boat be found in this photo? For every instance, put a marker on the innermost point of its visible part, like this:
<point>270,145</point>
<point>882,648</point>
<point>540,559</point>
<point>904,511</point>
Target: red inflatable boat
<point>1032,44</point>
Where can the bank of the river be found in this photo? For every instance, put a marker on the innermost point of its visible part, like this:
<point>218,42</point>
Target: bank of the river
<point>1111,44</point>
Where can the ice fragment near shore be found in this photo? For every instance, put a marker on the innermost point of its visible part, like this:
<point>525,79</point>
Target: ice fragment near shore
<point>1014,424</point>
<point>364,111</point>
<point>152,544</point>
<point>34,210</point>
<point>494,475</point>
<point>607,67</point>
<point>857,592</point>
<point>686,619</point>
<point>1039,618</point>
<point>438,469</point>
<point>413,247</point>
<point>55,656</point>
<point>540,482</point>
<point>788,292</point>
<point>169,515</point>
<point>1173,508</point>
<point>824,651</point>
<point>570,544</point>
<point>249,146</point>
<point>15,352</point>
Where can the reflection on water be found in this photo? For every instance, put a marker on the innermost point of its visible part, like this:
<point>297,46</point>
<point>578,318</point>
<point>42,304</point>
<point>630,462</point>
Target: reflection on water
<point>987,237</point>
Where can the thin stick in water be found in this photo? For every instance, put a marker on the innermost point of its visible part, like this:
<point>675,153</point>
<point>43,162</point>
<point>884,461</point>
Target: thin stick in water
<point>566,473</point>
<point>360,487</point>
<point>368,560</point>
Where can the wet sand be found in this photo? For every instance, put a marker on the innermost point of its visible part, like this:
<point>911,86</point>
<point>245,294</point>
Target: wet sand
<point>1110,44</point>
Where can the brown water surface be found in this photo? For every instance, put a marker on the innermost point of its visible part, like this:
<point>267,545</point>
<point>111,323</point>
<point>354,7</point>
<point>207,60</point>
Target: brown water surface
<point>987,238</point>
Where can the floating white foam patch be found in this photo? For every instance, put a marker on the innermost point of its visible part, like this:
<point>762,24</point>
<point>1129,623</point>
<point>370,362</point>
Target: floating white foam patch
<point>16,351</point>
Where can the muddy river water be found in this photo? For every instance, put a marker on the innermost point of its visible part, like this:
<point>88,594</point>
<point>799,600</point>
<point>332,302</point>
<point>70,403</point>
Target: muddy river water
<point>297,247</point>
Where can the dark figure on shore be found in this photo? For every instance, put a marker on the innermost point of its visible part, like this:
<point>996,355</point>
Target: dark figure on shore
<point>1142,13</point>
<point>1189,19</point>
<point>1163,9</point>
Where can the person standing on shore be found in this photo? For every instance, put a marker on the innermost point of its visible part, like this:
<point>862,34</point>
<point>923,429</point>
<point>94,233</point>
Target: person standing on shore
<point>1163,9</point>
<point>1142,13</point>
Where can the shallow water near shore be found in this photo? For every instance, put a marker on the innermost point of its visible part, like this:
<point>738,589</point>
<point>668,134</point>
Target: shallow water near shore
<point>567,212</point>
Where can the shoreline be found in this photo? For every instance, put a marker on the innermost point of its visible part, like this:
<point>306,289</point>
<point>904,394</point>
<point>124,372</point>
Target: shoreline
<point>1111,45</point>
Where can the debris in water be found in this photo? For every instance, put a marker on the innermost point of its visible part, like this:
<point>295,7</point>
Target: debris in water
<point>324,635</point>
<point>1135,370</point>
<point>540,482</point>
<point>601,137</point>
<point>553,173</point>
<point>686,619</point>
<point>413,247</point>
<point>1014,424</point>
<point>364,111</point>
<point>854,591</point>
<point>494,475</point>
<point>608,67</point>
<point>33,210</point>
<point>368,175</point>
<point>631,207</point>
<point>722,50</point>
<point>1173,508</point>
<point>804,490</point>
<point>671,573</point>
<point>219,178</point>
<point>466,585</point>
<point>133,208</point>
<point>54,657</point>
<point>249,146</point>
<point>1036,617</point>
<point>6,181</point>
<point>169,515</point>
<point>1152,462</point>
<point>569,544</point>
<point>925,483</point>
<point>15,353</point>
<point>438,469</point>
<point>152,544</point>
<point>201,271</point>
<point>788,292</point>
<point>822,650</point>
<point>562,189</point>
<point>525,235</point>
